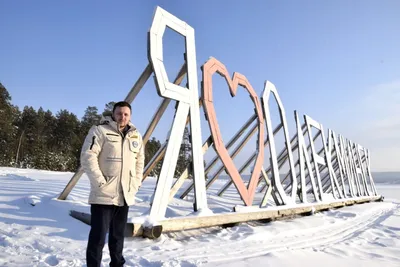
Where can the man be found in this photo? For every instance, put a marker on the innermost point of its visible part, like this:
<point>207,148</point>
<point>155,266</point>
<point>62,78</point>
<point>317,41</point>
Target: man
<point>113,158</point>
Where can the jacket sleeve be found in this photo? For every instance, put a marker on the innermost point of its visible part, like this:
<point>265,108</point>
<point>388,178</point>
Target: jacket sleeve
<point>89,156</point>
<point>140,163</point>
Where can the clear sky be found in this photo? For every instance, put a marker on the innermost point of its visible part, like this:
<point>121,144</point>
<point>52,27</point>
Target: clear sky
<point>336,61</point>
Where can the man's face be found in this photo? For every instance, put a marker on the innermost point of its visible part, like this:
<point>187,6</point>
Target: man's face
<point>122,115</point>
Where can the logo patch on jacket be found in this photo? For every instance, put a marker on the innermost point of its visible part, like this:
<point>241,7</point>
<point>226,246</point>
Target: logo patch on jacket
<point>135,144</point>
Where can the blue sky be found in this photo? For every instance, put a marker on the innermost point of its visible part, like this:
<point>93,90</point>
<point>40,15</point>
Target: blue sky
<point>336,61</point>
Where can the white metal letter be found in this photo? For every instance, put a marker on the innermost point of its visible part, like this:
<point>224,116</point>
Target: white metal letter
<point>269,87</point>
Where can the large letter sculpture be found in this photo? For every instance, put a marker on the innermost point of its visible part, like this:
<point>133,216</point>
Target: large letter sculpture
<point>303,156</point>
<point>188,103</point>
<point>339,169</point>
<point>319,160</point>
<point>268,89</point>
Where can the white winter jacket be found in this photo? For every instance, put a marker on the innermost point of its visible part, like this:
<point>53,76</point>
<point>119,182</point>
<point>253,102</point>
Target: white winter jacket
<point>113,163</point>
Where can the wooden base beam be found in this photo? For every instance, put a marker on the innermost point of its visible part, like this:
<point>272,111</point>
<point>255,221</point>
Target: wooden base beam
<point>131,229</point>
<point>224,219</point>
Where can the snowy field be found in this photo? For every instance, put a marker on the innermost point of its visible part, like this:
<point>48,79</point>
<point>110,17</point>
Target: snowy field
<point>36,230</point>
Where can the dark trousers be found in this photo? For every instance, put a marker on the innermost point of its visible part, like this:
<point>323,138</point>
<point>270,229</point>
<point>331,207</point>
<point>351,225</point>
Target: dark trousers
<point>111,219</point>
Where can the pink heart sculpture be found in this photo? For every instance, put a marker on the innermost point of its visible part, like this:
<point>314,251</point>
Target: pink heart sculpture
<point>209,68</point>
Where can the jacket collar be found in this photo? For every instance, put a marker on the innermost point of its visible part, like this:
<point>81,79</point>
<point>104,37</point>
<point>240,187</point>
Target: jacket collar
<point>108,120</point>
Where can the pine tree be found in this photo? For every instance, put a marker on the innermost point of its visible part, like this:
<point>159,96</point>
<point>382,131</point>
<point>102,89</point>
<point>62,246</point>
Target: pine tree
<point>90,118</point>
<point>43,153</point>
<point>185,154</point>
<point>108,108</point>
<point>67,140</point>
<point>27,138</point>
<point>152,146</point>
<point>8,129</point>
<point>44,141</point>
<point>50,125</point>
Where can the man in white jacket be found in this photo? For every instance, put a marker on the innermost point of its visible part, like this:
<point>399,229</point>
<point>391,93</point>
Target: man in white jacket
<point>113,158</point>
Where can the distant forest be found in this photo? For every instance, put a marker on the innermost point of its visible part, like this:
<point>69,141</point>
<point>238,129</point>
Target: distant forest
<point>39,139</point>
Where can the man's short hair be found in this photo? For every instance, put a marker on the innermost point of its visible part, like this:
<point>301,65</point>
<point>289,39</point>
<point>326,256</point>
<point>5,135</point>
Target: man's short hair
<point>122,104</point>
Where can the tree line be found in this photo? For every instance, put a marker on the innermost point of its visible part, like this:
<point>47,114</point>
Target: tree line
<point>39,139</point>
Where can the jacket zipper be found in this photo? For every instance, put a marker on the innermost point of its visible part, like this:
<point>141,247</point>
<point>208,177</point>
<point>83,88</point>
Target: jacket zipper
<point>122,168</point>
<point>122,165</point>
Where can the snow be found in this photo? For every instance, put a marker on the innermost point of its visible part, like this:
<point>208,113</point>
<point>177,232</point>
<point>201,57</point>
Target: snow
<point>36,230</point>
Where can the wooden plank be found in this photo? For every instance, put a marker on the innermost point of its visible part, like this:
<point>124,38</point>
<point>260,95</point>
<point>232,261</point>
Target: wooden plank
<point>350,202</point>
<point>75,178</point>
<point>130,228</point>
<point>165,179</point>
<point>283,154</point>
<point>155,119</point>
<point>179,182</point>
<point>298,162</point>
<point>234,154</point>
<point>163,106</point>
<point>269,190</point>
<point>186,223</point>
<point>235,137</point>
<point>156,158</point>
<point>195,222</point>
<point>337,204</point>
<point>139,84</point>
<point>81,216</point>
<point>295,211</point>
<point>228,145</point>
<point>247,163</point>
<point>159,155</point>
<point>129,98</point>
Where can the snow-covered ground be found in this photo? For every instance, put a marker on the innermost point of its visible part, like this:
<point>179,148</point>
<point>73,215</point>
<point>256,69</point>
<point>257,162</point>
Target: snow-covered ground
<point>36,230</point>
